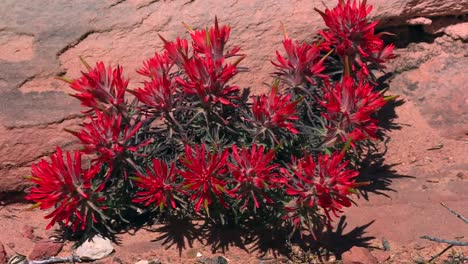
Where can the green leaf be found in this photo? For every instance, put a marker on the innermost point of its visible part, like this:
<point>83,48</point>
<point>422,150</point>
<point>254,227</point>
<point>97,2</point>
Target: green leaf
<point>390,97</point>
<point>205,204</point>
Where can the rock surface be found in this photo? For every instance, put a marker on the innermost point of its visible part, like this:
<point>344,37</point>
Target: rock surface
<point>94,249</point>
<point>28,232</point>
<point>45,249</point>
<point>458,31</point>
<point>435,79</point>
<point>3,254</point>
<point>38,43</point>
<point>358,255</point>
<point>41,43</point>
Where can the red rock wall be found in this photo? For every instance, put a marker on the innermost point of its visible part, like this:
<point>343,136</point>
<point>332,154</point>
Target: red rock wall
<point>43,39</point>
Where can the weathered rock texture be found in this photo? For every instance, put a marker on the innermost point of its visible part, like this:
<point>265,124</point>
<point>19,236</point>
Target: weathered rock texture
<point>41,41</point>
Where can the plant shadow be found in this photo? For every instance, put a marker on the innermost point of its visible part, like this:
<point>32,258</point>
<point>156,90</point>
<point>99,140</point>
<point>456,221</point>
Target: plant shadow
<point>379,175</point>
<point>179,233</point>
<point>373,168</point>
<point>263,241</point>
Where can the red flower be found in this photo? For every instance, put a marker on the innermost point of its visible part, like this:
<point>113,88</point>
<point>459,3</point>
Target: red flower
<point>275,110</point>
<point>253,173</point>
<point>302,62</point>
<point>64,185</point>
<point>159,186</point>
<point>101,88</point>
<point>177,50</point>
<point>207,80</point>
<point>349,107</point>
<point>158,93</point>
<point>106,136</point>
<point>203,175</point>
<point>350,34</point>
<point>325,183</point>
<point>213,42</point>
<point>157,67</point>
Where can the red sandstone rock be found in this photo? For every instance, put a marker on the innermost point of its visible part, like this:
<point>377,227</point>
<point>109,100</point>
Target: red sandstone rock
<point>45,249</point>
<point>458,31</point>
<point>3,255</point>
<point>34,105</point>
<point>381,256</point>
<point>28,232</point>
<point>358,255</point>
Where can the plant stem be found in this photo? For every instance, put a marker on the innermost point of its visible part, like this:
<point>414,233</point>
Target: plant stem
<point>447,241</point>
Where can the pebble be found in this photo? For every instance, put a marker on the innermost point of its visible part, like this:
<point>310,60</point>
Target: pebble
<point>94,249</point>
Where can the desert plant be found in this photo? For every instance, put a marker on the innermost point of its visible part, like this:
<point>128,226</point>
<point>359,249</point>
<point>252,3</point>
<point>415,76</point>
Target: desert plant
<point>191,144</point>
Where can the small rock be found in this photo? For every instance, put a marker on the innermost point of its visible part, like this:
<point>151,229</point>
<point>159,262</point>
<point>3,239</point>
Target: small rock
<point>192,253</point>
<point>3,255</point>
<point>385,244</point>
<point>94,249</point>
<point>156,261</point>
<point>28,232</point>
<point>381,256</point>
<point>215,260</point>
<point>458,31</point>
<point>419,21</point>
<point>358,255</point>
<point>45,249</point>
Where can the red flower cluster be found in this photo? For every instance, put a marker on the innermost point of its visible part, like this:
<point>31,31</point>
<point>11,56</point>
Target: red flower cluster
<point>157,67</point>
<point>253,171</point>
<point>275,111</point>
<point>302,62</point>
<point>66,187</point>
<point>158,186</point>
<point>352,36</point>
<point>203,174</point>
<point>208,80</point>
<point>177,50</point>
<point>101,88</point>
<point>207,73</point>
<point>212,42</point>
<point>325,183</point>
<point>106,136</point>
<point>158,93</point>
<point>189,87</point>
<point>349,109</point>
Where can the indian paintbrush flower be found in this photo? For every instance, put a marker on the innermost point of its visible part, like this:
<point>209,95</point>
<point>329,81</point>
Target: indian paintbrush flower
<point>158,186</point>
<point>349,108</point>
<point>275,110</point>
<point>325,183</point>
<point>203,173</point>
<point>62,184</point>
<point>253,172</point>
<point>101,88</point>
<point>353,37</point>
